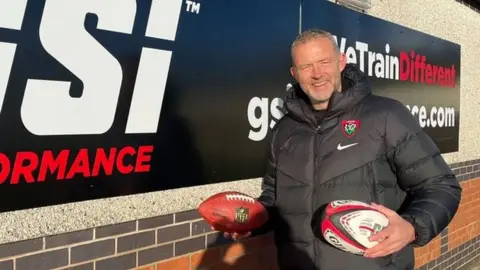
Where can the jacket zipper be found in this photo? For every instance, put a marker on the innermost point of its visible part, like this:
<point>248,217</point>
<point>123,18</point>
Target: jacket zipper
<point>317,131</point>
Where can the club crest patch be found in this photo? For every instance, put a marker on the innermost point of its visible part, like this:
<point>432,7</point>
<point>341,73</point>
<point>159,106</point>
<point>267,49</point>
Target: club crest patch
<point>350,127</point>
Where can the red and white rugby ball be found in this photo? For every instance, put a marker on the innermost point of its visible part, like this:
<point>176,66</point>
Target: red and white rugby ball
<point>233,211</point>
<point>347,225</point>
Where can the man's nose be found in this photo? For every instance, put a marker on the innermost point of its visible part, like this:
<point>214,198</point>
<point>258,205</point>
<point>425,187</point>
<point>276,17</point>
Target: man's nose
<point>317,71</point>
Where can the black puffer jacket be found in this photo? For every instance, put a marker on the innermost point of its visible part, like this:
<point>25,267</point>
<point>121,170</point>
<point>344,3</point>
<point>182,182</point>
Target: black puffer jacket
<point>391,161</point>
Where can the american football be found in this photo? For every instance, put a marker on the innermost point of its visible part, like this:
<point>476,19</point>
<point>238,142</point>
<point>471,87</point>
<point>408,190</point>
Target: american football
<point>347,224</point>
<point>233,211</point>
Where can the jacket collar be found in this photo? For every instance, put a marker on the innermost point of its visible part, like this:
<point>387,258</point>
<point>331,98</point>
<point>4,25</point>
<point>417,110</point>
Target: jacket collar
<point>355,87</point>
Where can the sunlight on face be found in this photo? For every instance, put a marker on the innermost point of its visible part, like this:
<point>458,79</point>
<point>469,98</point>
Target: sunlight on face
<point>317,68</point>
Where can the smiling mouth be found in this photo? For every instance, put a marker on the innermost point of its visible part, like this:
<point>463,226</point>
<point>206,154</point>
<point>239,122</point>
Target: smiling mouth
<point>320,84</point>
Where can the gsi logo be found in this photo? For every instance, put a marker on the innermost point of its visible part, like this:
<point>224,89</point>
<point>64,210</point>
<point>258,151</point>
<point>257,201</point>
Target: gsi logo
<point>47,107</point>
<point>259,125</point>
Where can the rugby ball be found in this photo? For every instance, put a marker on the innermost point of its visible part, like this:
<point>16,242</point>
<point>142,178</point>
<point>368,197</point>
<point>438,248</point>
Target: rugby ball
<point>232,212</point>
<point>347,225</point>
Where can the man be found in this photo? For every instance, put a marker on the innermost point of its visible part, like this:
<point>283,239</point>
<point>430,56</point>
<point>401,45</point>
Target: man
<point>339,141</point>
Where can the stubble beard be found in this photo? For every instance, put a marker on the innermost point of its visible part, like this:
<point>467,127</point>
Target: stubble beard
<point>322,102</point>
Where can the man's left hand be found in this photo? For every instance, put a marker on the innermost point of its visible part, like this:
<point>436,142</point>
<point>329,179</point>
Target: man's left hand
<point>396,235</point>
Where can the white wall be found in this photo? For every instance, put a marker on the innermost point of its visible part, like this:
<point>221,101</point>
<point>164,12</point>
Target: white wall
<point>445,19</point>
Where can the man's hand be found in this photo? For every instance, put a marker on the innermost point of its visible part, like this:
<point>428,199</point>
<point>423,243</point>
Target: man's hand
<point>234,236</point>
<point>394,237</point>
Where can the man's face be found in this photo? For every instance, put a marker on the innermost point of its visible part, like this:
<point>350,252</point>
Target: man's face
<point>317,68</point>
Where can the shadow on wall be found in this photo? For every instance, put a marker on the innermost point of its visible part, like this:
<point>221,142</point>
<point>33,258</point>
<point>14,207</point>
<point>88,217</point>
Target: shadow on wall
<point>253,253</point>
<point>177,162</point>
<point>257,252</point>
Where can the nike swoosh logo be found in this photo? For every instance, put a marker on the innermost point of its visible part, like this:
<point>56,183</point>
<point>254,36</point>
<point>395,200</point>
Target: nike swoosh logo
<point>341,147</point>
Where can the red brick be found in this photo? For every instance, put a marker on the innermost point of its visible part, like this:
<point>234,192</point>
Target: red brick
<point>181,263</point>
<point>258,243</point>
<point>234,251</point>
<point>146,268</point>
<point>420,261</point>
<point>464,225</point>
<point>268,259</point>
<point>248,261</point>
<point>206,258</point>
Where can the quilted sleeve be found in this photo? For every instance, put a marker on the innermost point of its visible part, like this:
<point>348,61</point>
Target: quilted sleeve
<point>433,191</point>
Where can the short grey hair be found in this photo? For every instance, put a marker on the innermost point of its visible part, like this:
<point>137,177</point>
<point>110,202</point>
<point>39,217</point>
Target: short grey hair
<point>312,34</point>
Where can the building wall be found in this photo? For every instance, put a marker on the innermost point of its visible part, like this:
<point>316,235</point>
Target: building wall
<point>183,241</point>
<point>161,230</point>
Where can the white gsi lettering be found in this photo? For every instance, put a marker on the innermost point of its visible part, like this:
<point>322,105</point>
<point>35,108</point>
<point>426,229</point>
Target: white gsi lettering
<point>261,123</point>
<point>47,107</point>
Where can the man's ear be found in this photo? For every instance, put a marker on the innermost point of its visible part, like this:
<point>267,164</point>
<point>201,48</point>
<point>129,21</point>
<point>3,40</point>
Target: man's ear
<point>342,61</point>
<point>293,72</point>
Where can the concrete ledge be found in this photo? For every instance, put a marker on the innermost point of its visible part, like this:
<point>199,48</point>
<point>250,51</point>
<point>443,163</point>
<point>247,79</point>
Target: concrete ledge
<point>51,220</point>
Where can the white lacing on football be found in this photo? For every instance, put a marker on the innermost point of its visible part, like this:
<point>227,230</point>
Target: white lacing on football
<point>239,197</point>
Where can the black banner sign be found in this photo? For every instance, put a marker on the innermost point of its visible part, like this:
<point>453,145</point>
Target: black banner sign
<point>124,96</point>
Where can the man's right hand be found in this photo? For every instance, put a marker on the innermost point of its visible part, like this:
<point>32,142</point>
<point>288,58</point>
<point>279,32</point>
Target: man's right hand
<point>234,236</point>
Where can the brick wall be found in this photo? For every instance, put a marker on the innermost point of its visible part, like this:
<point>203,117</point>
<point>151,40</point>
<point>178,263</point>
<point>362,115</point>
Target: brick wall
<point>183,241</point>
